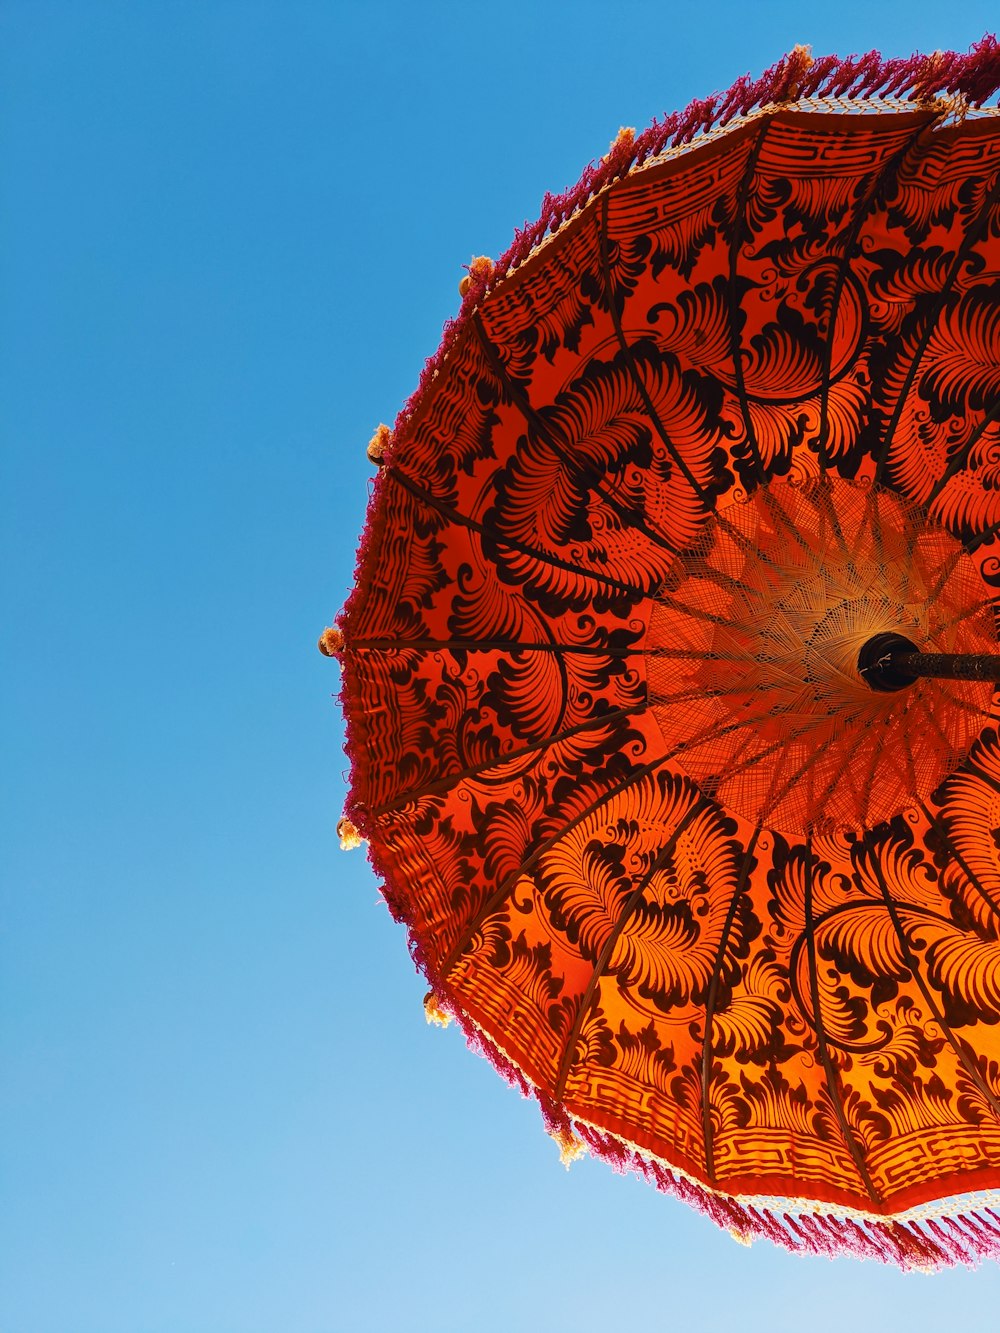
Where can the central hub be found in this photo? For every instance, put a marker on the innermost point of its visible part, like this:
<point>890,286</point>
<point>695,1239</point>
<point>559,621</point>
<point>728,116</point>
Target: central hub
<point>877,667</point>
<point>753,655</point>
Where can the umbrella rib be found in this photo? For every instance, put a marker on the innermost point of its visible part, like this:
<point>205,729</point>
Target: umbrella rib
<point>911,962</point>
<point>907,752</point>
<point>544,557</point>
<point>735,769</point>
<point>969,239</point>
<point>867,788</point>
<point>778,513</point>
<point>711,999</point>
<point>534,419</point>
<point>696,613</point>
<point>839,772</point>
<point>691,654</point>
<point>825,508</point>
<point>568,1059</point>
<point>832,1080</point>
<point>775,797</point>
<point>982,538</point>
<point>489,646</point>
<point>862,212</point>
<point>982,775</point>
<point>604,246</point>
<point>961,705</point>
<point>940,828</point>
<point>944,574</point>
<point>960,460</point>
<point>934,593</point>
<point>727,582</point>
<point>706,692</point>
<point>735,339</point>
<point>931,720</point>
<point>518,645</point>
<point>499,761</point>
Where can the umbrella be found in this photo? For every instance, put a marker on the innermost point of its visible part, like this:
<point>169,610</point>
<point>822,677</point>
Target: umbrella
<point>669,667</point>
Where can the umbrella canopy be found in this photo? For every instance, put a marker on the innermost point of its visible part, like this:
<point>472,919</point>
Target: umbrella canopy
<point>717,888</point>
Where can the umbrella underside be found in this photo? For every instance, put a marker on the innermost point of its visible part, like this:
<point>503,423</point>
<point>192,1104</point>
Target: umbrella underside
<point>731,915</point>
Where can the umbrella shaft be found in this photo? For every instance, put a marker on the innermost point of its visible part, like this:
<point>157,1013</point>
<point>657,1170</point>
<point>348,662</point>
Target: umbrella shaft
<point>947,666</point>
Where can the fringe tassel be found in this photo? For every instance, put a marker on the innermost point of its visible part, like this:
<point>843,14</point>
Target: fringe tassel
<point>923,1246</point>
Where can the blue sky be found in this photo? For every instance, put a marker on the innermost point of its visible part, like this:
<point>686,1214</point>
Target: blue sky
<point>229,236</point>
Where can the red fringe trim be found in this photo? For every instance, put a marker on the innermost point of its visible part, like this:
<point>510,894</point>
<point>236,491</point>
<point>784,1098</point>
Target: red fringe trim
<point>975,76</point>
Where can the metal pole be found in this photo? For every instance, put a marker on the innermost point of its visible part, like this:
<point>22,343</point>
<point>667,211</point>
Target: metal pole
<point>946,666</point>
<point>891,662</point>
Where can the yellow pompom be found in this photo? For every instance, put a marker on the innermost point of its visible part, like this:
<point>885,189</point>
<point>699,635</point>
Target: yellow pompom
<point>799,59</point>
<point>331,642</point>
<point>378,444</point>
<point>741,1237</point>
<point>571,1148</point>
<point>480,267</point>
<point>433,1011</point>
<point>349,836</point>
<point>624,137</point>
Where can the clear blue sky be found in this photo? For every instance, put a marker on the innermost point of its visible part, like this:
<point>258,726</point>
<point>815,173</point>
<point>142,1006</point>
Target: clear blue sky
<point>229,235</point>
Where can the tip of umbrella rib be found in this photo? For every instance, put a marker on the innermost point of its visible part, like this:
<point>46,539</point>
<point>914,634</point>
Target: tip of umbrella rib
<point>348,835</point>
<point>331,642</point>
<point>433,1011</point>
<point>571,1148</point>
<point>378,443</point>
<point>478,272</point>
<point>623,142</point>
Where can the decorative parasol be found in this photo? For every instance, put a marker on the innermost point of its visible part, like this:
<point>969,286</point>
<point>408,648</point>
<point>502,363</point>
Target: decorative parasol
<point>669,668</point>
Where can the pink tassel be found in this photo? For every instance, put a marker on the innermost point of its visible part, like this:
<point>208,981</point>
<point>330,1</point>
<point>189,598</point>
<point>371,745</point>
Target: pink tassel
<point>861,1241</point>
<point>973,1237</point>
<point>769,1226</point>
<point>982,1221</point>
<point>920,1249</point>
<point>800,1232</point>
<point>953,1241</point>
<point>812,1224</point>
<point>887,1252</point>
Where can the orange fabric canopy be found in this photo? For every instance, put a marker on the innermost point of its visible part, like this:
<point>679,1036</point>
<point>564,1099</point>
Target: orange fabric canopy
<point>733,917</point>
